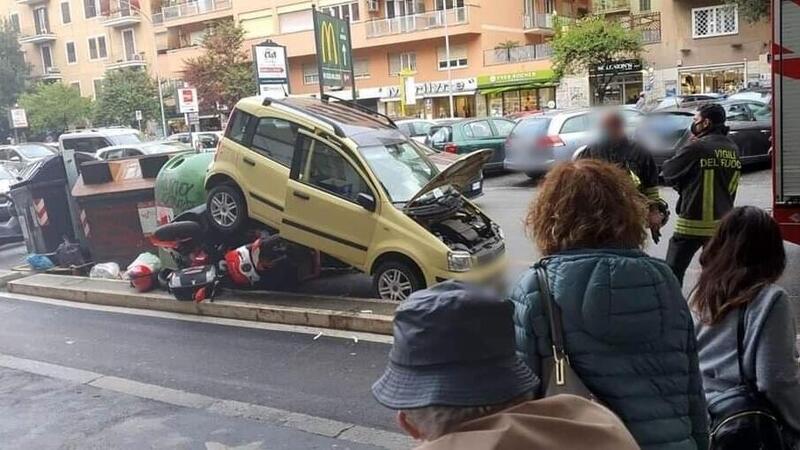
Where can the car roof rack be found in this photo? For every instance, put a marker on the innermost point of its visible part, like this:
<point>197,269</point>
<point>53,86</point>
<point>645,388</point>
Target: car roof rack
<point>336,128</point>
<point>349,103</point>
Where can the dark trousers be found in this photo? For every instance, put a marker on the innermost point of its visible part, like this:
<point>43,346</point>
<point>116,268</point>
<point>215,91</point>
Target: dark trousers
<point>681,251</point>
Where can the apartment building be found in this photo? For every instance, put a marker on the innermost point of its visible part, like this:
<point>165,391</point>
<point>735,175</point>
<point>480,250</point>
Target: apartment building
<point>77,41</point>
<point>498,61</point>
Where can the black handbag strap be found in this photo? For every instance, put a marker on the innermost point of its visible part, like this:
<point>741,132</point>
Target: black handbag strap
<point>553,313</point>
<point>740,331</point>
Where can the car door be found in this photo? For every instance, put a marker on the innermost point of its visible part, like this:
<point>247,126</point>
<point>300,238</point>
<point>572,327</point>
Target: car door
<point>744,131</point>
<point>477,135</point>
<point>575,132</point>
<point>264,167</point>
<point>322,202</point>
<point>501,129</point>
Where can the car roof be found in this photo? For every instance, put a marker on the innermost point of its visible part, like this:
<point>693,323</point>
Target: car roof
<point>111,131</point>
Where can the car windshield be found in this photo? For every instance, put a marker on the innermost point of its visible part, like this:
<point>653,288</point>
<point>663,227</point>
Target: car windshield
<point>401,168</point>
<point>531,127</point>
<point>126,139</point>
<point>33,151</point>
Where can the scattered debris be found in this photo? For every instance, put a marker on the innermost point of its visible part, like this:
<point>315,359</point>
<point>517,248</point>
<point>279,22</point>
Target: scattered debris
<point>319,335</point>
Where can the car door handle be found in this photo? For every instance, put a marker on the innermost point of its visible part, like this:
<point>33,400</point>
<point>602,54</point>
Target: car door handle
<point>249,162</point>
<point>766,131</point>
<point>301,195</point>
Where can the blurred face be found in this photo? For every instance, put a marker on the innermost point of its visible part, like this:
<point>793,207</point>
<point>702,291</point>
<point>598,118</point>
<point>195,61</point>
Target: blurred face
<point>613,127</point>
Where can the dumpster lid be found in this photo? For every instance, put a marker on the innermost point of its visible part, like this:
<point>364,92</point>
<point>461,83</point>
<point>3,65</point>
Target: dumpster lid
<point>126,176</point>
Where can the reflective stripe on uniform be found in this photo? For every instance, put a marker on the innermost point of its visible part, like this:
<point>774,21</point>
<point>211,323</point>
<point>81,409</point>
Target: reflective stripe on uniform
<point>734,184</point>
<point>651,193</point>
<point>691,227</point>
<point>708,195</point>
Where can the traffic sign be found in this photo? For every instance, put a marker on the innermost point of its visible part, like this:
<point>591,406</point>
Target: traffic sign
<point>187,100</point>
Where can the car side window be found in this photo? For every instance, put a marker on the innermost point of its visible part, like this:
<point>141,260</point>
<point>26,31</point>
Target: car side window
<point>132,152</point>
<point>577,124</point>
<point>329,171</point>
<point>761,111</point>
<point>478,130</point>
<point>738,112</point>
<point>503,127</point>
<point>406,129</point>
<point>13,156</point>
<point>85,144</point>
<point>237,128</point>
<point>421,128</point>
<point>441,135</point>
<point>275,139</point>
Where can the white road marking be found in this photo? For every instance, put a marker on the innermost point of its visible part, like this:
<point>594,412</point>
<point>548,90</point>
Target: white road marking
<point>314,331</point>
<point>230,408</point>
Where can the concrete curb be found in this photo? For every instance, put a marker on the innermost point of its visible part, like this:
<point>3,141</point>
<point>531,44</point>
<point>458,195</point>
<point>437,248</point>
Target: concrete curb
<point>364,315</point>
<point>10,275</point>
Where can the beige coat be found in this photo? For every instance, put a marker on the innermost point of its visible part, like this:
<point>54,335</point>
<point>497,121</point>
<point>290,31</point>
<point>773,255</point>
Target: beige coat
<point>563,422</point>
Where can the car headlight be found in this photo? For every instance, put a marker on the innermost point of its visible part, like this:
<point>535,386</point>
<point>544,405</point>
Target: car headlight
<point>459,261</point>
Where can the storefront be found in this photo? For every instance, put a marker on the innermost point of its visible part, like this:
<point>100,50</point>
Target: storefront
<point>506,94</point>
<point>626,85</point>
<point>432,99</point>
<point>725,79</point>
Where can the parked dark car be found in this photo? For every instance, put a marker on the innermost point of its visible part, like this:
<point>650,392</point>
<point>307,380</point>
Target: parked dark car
<point>468,135</point>
<point>686,101</point>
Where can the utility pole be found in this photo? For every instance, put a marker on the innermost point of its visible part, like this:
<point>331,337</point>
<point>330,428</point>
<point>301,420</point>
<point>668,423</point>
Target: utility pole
<point>447,56</point>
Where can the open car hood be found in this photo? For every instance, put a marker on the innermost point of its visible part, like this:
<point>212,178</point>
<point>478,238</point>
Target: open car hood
<point>457,175</point>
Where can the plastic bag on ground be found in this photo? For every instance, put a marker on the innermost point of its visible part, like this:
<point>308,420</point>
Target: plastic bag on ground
<point>146,259</point>
<point>109,270</point>
<point>39,262</point>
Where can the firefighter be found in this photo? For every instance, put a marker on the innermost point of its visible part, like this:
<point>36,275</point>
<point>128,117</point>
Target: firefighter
<point>615,147</point>
<point>705,173</point>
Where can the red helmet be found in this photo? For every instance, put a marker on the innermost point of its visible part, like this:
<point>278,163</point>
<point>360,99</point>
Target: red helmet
<point>241,266</point>
<point>141,277</point>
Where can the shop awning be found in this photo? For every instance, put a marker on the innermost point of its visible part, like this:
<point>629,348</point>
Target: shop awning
<point>500,90</point>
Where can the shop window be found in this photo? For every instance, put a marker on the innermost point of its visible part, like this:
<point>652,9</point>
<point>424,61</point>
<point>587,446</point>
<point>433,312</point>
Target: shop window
<point>458,56</point>
<point>275,138</point>
<point>402,61</point>
<point>478,130</point>
<point>713,21</point>
<point>310,74</point>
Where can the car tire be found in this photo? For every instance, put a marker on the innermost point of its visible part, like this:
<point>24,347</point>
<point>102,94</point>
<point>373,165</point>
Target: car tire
<point>226,208</point>
<point>395,280</point>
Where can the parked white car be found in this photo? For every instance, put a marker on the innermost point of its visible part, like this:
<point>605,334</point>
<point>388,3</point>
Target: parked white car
<point>134,150</point>
<point>92,139</point>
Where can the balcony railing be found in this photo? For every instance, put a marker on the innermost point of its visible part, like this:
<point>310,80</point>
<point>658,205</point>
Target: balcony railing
<point>649,24</point>
<point>188,9</point>
<point>417,22</point>
<point>532,21</point>
<point>50,73</point>
<point>611,6</point>
<point>519,54</point>
<point>126,60</point>
<point>121,17</point>
<point>36,36</point>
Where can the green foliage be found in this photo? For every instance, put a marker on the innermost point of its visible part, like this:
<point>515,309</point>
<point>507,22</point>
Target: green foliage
<point>506,45</point>
<point>55,108</point>
<point>125,91</point>
<point>592,42</point>
<point>223,74</point>
<point>14,71</point>
<point>752,10</point>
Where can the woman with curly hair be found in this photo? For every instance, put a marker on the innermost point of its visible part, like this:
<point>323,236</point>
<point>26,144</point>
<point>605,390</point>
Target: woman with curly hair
<point>628,333</point>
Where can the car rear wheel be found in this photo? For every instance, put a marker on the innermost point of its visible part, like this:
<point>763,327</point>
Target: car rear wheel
<point>226,208</point>
<point>396,280</point>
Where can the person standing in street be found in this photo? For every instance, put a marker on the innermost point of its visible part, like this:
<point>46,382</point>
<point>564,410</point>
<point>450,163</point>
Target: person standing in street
<point>615,147</point>
<point>705,173</point>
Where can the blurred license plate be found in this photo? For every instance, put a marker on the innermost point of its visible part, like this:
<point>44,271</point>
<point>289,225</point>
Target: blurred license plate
<point>476,185</point>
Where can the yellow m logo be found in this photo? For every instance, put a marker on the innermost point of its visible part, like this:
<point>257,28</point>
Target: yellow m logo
<point>330,43</point>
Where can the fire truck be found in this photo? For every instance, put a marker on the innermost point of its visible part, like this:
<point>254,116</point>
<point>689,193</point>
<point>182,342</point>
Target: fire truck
<point>786,116</point>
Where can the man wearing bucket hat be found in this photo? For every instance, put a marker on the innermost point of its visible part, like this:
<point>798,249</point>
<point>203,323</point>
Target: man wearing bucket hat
<point>456,382</point>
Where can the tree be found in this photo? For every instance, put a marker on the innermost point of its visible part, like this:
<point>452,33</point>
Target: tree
<point>55,108</point>
<point>223,73</point>
<point>594,42</point>
<point>14,71</point>
<point>752,10</point>
<point>124,92</point>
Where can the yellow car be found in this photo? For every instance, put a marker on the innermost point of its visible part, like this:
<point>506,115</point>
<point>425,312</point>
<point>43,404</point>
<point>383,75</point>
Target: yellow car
<point>344,180</point>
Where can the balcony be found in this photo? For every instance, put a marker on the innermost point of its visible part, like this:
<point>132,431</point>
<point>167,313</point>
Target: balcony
<point>122,18</point>
<point>50,74</point>
<point>611,6</point>
<point>649,24</point>
<point>519,54</point>
<point>41,36</point>
<point>31,2</point>
<point>417,22</point>
<point>127,61</point>
<point>189,9</point>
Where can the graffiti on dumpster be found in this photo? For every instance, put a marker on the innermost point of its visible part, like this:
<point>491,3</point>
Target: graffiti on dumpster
<point>180,195</point>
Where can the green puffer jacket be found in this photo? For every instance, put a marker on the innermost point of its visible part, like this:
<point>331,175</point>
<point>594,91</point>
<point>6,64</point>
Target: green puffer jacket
<point>629,336</point>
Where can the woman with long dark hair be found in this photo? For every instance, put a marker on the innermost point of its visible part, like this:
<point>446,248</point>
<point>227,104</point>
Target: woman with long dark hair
<point>741,264</point>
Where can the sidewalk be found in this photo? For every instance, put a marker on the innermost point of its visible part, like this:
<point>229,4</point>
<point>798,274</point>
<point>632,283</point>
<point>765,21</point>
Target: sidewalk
<point>43,412</point>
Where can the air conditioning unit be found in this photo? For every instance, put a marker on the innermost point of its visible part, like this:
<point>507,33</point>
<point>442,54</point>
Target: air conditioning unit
<point>372,5</point>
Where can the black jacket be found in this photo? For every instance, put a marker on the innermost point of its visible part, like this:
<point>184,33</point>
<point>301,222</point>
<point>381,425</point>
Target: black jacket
<point>706,175</point>
<point>629,156</point>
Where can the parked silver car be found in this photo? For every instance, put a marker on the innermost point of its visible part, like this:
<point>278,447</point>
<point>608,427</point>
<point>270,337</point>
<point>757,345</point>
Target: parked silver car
<point>20,156</point>
<point>540,141</point>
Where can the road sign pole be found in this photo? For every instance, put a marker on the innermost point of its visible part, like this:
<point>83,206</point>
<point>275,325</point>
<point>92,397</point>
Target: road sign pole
<point>352,62</point>
<point>319,60</point>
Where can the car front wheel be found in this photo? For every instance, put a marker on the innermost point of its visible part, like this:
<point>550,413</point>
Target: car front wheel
<point>226,208</point>
<point>396,280</point>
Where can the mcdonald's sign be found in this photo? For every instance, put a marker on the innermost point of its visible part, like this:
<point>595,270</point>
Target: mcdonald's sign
<point>334,50</point>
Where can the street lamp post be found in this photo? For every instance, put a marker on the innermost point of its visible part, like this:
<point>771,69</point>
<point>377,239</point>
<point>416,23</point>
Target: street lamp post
<point>447,57</point>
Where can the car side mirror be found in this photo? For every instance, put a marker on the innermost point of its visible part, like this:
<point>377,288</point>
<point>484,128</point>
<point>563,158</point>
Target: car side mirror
<point>366,201</point>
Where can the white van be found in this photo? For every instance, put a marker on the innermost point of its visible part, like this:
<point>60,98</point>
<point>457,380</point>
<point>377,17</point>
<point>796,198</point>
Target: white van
<point>92,139</point>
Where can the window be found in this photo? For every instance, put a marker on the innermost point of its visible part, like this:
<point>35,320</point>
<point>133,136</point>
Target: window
<point>441,136</point>
<point>85,144</point>
<point>47,57</point>
<point>329,171</point>
<point>503,127</point>
<point>66,17</point>
<point>275,139</point>
<point>738,112</point>
<point>577,124</point>
<point>237,128</point>
<point>458,56</point>
<point>76,85</point>
<point>310,74</point>
<point>402,61</point>
<point>478,130</point>
<point>361,68</point>
<point>343,11</point>
<point>295,21</point>
<point>715,21</point>
<point>72,56</point>
<point>14,19</point>
<point>41,20</point>
<point>761,111</point>
<point>644,5</point>
<point>97,48</point>
<point>257,24</point>
<point>91,8</point>
<point>97,84</point>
